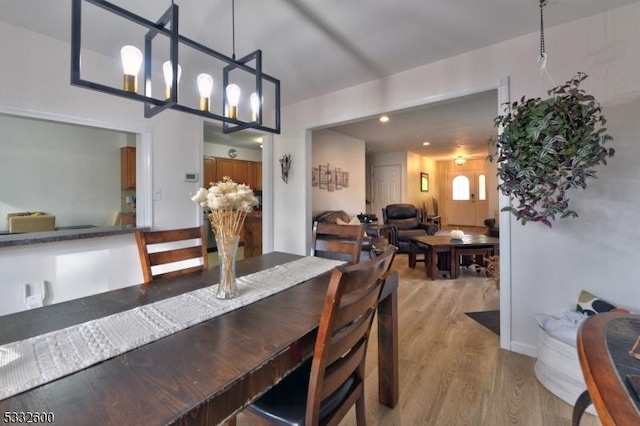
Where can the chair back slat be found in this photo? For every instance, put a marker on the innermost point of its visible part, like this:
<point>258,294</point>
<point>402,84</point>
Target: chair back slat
<point>177,272</point>
<point>171,251</point>
<point>171,235</point>
<point>344,367</point>
<point>339,242</point>
<point>176,255</point>
<point>347,339</point>
<point>343,333</point>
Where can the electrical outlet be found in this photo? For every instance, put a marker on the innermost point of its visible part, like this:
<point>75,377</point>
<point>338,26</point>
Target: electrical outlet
<point>36,300</point>
<point>157,194</point>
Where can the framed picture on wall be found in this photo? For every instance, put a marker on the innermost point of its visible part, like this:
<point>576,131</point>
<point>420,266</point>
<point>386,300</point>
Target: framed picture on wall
<point>322,178</point>
<point>424,182</point>
<point>339,178</point>
<point>314,176</point>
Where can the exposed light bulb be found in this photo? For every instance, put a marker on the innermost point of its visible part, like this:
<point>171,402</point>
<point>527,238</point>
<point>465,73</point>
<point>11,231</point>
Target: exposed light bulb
<point>205,86</point>
<point>233,97</point>
<point>254,100</point>
<point>167,70</point>
<point>131,58</point>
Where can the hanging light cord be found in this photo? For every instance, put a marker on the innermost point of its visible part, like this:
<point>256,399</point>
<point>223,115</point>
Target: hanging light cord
<point>233,29</point>
<point>542,51</point>
<point>543,54</point>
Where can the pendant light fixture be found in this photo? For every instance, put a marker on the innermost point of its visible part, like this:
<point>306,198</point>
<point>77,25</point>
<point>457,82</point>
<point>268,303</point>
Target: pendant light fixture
<point>234,113</point>
<point>460,160</point>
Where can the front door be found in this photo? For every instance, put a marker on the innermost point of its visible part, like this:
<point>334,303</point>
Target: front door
<point>386,188</point>
<point>466,198</point>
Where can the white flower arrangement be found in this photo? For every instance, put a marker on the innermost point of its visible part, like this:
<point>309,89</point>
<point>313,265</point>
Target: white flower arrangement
<point>227,204</point>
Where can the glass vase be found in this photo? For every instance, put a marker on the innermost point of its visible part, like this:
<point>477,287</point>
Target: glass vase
<point>227,251</point>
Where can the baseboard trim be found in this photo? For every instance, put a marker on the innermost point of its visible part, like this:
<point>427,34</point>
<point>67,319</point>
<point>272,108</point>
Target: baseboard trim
<point>524,349</point>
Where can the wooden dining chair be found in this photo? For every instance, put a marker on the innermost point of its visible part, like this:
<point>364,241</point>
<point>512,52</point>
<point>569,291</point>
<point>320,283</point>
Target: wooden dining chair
<point>339,242</point>
<point>172,246</point>
<point>324,388</point>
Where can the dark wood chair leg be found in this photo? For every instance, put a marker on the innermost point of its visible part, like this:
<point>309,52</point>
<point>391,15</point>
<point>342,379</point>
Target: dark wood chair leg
<point>583,401</point>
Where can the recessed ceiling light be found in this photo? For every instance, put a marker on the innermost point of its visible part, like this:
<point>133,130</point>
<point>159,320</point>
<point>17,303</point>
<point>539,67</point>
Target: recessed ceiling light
<point>384,119</point>
<point>425,143</point>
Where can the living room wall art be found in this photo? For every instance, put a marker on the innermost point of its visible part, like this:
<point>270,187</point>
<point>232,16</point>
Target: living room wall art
<point>424,182</point>
<point>329,177</point>
<point>285,164</point>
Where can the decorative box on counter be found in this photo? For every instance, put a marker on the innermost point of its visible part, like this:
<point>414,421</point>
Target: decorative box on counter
<point>30,222</point>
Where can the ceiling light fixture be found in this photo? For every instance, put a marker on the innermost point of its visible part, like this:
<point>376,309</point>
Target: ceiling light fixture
<point>460,160</point>
<point>384,119</point>
<point>245,72</point>
<point>425,143</point>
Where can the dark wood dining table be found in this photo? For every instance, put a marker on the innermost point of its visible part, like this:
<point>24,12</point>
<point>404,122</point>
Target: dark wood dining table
<point>202,375</point>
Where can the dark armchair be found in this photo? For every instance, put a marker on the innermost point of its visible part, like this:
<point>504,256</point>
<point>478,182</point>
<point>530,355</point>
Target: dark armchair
<point>408,222</point>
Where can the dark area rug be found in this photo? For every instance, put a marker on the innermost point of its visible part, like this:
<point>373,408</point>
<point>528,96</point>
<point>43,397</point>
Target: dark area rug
<point>489,319</point>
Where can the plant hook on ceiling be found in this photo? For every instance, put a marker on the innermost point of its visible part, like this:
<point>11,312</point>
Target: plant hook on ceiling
<point>549,146</point>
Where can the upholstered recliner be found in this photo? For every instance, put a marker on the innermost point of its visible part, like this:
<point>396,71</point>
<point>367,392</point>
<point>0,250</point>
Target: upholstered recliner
<point>408,222</point>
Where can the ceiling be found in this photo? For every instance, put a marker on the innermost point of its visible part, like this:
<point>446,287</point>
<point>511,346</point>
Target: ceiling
<point>318,47</point>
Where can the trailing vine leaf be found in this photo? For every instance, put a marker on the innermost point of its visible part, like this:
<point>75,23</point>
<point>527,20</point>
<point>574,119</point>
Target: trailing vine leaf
<point>547,147</point>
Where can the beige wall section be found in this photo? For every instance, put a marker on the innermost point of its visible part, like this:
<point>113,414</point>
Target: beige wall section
<point>417,164</point>
<point>348,154</point>
<point>411,165</point>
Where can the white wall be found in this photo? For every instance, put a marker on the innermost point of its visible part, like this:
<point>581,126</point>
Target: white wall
<point>346,153</point>
<point>72,172</point>
<point>548,266</point>
<point>71,269</point>
<point>212,149</point>
<point>38,80</point>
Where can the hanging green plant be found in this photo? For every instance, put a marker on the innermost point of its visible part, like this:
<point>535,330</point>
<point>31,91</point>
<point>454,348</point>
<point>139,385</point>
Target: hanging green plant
<point>547,147</point>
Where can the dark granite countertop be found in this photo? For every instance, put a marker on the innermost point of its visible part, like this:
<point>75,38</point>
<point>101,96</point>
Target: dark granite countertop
<point>64,234</point>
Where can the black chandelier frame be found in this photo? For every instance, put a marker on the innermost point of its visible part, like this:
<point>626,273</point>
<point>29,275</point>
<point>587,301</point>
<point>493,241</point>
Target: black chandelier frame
<point>153,106</point>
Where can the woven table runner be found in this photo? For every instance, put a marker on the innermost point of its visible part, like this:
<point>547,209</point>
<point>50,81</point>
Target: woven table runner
<point>32,362</point>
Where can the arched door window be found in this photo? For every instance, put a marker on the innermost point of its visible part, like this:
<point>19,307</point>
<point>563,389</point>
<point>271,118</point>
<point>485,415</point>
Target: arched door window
<point>461,189</point>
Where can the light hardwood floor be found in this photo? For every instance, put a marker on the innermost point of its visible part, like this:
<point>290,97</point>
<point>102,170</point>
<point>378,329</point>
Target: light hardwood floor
<point>452,370</point>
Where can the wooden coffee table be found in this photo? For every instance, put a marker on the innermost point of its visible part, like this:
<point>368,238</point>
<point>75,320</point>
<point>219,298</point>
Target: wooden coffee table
<point>431,245</point>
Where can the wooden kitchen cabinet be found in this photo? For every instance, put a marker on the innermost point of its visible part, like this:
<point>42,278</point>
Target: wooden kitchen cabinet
<point>128,167</point>
<point>209,171</point>
<point>253,234</point>
<point>258,175</point>
<point>240,171</point>
<point>252,174</point>
<point>237,170</point>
